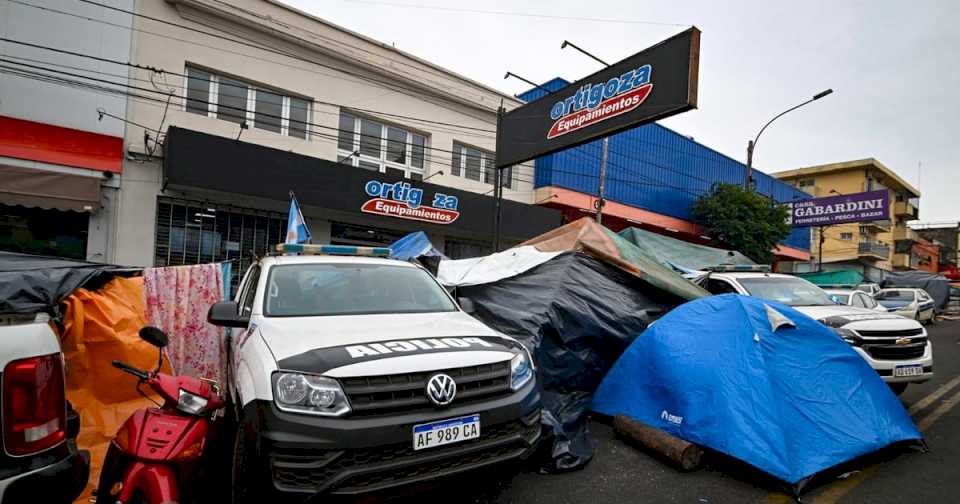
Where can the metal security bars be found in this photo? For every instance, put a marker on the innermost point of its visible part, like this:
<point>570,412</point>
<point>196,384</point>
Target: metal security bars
<point>194,232</point>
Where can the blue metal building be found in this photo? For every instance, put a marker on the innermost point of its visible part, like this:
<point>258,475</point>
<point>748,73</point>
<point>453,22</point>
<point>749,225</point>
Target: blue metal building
<point>655,169</point>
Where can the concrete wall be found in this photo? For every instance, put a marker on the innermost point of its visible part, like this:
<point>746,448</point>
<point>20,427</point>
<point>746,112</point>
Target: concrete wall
<point>333,67</point>
<point>65,106</point>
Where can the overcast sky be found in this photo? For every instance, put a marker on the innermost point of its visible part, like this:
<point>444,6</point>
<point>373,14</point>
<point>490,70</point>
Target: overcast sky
<point>893,65</point>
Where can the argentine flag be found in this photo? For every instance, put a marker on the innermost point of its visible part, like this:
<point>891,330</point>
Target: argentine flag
<point>297,231</point>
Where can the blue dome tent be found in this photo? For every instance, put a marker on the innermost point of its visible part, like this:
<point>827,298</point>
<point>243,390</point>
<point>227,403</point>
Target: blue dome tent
<point>758,381</point>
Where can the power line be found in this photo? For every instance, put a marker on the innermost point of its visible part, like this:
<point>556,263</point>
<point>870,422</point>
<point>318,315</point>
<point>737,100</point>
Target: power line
<point>162,71</point>
<point>427,157</point>
<point>358,77</point>
<point>183,100</point>
<point>239,39</point>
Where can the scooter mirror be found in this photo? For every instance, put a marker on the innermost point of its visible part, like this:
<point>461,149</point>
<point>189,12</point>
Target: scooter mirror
<point>154,336</point>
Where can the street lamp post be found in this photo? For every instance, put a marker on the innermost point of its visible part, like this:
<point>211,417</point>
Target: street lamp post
<point>752,144</point>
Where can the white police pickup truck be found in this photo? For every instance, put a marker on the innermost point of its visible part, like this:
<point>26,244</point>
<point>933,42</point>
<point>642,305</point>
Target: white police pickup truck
<point>351,374</point>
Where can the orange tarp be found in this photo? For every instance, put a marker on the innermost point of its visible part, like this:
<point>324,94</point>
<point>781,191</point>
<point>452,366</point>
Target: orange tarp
<point>102,326</point>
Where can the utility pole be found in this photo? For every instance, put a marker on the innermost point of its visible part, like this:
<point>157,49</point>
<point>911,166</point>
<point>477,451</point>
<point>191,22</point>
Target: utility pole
<point>497,188</point>
<point>603,177</point>
<point>606,143</point>
<point>820,250</point>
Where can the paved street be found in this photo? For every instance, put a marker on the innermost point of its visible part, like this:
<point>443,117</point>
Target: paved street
<point>620,473</point>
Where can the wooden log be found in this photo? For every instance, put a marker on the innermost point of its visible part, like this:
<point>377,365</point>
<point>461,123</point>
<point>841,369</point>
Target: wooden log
<point>685,455</point>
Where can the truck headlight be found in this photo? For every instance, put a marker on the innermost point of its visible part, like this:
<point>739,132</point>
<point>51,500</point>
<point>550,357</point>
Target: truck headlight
<point>310,394</point>
<point>521,371</point>
<point>848,335</point>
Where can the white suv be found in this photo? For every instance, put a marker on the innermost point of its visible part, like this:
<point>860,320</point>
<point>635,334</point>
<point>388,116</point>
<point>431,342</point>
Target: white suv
<point>351,374</point>
<point>896,347</point>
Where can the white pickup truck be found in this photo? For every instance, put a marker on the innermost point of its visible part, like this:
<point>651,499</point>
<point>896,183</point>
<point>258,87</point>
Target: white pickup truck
<point>350,374</point>
<point>39,461</point>
<point>896,347</point>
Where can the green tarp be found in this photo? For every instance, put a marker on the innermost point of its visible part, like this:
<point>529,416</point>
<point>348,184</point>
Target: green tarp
<point>836,278</point>
<point>672,252</point>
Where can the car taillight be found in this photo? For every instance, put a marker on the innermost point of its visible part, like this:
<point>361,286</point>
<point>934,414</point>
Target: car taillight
<point>34,404</point>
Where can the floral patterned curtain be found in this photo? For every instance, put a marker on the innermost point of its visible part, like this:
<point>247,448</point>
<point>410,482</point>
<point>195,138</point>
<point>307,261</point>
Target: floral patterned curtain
<point>177,301</point>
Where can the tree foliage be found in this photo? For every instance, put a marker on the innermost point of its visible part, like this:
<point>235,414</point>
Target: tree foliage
<point>743,220</point>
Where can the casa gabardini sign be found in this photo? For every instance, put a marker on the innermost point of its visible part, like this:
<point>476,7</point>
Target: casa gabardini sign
<point>829,210</point>
<point>403,201</point>
<point>655,83</point>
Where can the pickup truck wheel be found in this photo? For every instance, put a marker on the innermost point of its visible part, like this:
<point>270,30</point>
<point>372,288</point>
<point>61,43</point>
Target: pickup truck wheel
<point>897,388</point>
<point>244,486</point>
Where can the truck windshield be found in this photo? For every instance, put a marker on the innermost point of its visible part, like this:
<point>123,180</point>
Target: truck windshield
<point>895,295</point>
<point>789,291</point>
<point>307,290</point>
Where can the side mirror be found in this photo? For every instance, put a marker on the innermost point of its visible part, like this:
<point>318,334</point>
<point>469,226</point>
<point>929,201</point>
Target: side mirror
<point>466,304</point>
<point>154,336</point>
<point>227,314</point>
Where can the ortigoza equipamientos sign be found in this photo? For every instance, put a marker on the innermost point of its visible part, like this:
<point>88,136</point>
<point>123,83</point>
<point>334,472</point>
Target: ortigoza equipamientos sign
<point>655,83</point>
<point>403,201</point>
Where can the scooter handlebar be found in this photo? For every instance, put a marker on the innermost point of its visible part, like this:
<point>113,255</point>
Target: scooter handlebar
<point>126,368</point>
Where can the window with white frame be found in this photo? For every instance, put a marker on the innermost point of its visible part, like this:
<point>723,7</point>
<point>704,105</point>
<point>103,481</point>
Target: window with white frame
<point>477,164</point>
<point>236,101</point>
<point>376,146</point>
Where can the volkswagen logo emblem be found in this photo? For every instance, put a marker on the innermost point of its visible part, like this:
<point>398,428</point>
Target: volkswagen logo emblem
<point>441,389</point>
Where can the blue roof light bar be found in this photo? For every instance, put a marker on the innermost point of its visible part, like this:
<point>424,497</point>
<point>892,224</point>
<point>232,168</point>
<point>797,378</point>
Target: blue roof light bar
<point>342,250</point>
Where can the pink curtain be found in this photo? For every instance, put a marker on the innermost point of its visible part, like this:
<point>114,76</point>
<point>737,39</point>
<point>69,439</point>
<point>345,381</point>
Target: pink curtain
<point>177,300</point>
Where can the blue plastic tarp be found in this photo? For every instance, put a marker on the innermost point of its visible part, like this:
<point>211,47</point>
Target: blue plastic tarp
<point>759,381</point>
<point>413,246</point>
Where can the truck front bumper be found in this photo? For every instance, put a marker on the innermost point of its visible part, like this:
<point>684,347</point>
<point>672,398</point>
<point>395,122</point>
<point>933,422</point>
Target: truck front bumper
<point>308,455</point>
<point>887,368</point>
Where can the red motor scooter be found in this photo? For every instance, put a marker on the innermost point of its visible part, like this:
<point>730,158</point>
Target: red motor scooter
<point>154,456</point>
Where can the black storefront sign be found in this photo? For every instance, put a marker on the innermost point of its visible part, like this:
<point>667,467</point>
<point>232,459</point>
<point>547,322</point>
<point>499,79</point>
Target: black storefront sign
<point>655,83</point>
<point>200,160</point>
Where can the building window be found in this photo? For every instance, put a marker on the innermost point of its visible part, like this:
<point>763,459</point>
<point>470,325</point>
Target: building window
<point>846,236</point>
<point>806,183</point>
<point>372,145</point>
<point>193,232</point>
<point>236,101</point>
<point>477,164</point>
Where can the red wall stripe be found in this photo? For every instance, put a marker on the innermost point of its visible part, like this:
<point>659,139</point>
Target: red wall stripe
<point>58,145</point>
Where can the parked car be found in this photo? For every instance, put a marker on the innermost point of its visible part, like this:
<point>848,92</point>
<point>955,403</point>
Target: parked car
<point>896,347</point>
<point>39,461</point>
<point>856,298</point>
<point>911,303</point>
<point>352,374</point>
